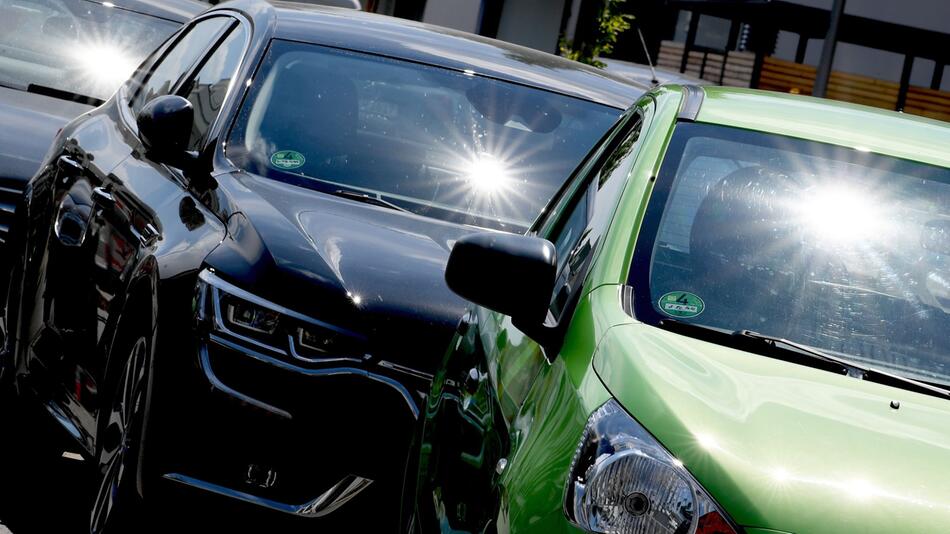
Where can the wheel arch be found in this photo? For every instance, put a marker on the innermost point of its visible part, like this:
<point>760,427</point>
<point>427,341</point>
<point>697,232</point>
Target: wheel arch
<point>139,309</point>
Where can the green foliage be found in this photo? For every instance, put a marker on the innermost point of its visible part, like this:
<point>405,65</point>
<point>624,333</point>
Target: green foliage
<point>610,24</point>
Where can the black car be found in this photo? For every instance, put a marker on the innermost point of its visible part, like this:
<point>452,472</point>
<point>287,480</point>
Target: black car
<point>58,60</point>
<point>230,275</point>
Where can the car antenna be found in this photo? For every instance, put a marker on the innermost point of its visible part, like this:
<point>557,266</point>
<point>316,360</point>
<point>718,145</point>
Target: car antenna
<point>646,52</point>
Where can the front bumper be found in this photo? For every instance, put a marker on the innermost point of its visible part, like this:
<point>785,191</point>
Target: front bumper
<point>299,437</point>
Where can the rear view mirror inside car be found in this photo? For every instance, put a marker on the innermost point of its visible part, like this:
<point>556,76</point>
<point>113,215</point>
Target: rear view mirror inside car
<point>503,106</point>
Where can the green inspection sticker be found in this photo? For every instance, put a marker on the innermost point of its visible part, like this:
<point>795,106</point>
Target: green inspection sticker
<point>287,159</point>
<point>681,304</point>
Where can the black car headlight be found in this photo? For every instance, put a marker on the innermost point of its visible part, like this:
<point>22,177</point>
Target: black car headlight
<point>242,317</point>
<point>249,316</point>
<point>622,481</point>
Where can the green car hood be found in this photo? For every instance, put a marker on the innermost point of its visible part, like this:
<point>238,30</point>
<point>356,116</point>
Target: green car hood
<point>783,446</point>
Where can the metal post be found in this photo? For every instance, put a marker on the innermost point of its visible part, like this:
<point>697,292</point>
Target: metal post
<point>828,50</point>
<point>802,48</point>
<point>690,39</point>
<point>905,82</point>
<point>937,78</point>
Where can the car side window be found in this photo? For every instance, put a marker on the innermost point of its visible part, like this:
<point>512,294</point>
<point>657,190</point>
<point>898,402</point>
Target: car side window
<point>209,86</point>
<point>587,216</point>
<point>568,246</point>
<point>178,60</point>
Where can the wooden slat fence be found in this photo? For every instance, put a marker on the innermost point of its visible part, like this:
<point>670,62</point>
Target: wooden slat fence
<point>790,77</point>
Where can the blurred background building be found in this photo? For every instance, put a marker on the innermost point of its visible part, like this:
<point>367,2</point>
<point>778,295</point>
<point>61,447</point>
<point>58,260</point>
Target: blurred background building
<point>888,54</point>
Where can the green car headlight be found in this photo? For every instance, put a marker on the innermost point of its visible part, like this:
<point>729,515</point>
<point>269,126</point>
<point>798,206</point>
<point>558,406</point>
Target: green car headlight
<point>622,481</point>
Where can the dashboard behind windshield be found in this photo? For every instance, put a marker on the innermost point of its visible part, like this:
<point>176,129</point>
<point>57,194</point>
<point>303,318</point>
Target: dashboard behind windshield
<point>74,46</point>
<point>834,248</point>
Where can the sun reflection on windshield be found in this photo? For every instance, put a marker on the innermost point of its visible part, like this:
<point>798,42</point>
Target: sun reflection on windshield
<point>840,214</point>
<point>104,64</point>
<point>487,175</point>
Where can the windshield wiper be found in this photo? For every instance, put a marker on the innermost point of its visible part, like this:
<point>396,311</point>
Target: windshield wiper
<point>752,342</point>
<point>64,95</point>
<point>776,343</point>
<point>784,349</point>
<point>14,87</point>
<point>368,199</point>
<point>858,371</point>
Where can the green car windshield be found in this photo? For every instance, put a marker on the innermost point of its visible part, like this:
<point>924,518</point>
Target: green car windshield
<point>838,249</point>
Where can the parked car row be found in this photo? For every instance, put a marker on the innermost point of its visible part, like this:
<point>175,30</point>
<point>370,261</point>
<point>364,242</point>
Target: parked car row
<point>229,275</point>
<point>243,275</point>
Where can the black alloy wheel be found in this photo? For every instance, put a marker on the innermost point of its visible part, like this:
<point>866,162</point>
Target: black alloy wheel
<point>117,500</point>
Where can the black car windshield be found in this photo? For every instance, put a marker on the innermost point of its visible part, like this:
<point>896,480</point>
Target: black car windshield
<point>834,248</point>
<point>450,145</point>
<point>74,46</point>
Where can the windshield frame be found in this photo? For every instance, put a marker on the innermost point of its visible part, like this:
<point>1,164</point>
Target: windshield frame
<point>320,185</point>
<point>641,263</point>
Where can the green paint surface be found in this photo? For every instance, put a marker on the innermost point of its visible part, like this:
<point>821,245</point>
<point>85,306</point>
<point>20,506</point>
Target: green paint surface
<point>781,447</point>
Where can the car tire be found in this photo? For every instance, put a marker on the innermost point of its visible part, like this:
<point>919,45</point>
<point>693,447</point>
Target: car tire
<point>118,502</point>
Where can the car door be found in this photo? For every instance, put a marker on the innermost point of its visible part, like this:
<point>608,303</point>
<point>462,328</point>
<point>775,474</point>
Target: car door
<point>108,200</point>
<point>473,424</point>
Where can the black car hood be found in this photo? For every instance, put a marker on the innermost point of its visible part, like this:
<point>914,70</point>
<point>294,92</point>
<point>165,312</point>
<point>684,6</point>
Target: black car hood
<point>30,122</point>
<point>369,269</point>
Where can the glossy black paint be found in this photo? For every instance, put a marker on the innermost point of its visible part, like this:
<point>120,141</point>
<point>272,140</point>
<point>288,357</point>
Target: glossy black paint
<point>164,127</point>
<point>320,255</point>
<point>30,121</point>
<point>113,238</point>
<point>510,274</point>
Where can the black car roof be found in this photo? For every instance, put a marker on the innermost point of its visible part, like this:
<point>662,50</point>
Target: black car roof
<point>180,11</point>
<point>435,45</point>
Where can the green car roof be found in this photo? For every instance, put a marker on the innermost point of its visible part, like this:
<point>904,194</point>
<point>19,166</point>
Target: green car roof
<point>840,123</point>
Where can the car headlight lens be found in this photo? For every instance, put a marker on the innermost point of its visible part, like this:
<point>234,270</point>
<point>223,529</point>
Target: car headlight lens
<point>623,481</point>
<point>250,316</point>
<point>240,316</point>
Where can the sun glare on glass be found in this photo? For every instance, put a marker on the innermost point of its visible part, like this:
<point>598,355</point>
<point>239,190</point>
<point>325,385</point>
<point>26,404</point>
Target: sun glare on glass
<point>840,214</point>
<point>487,175</point>
<point>103,63</point>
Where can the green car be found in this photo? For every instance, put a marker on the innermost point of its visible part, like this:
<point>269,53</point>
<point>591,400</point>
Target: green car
<point>733,318</point>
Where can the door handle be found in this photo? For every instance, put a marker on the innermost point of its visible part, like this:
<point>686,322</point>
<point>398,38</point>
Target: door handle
<point>68,165</point>
<point>68,169</point>
<point>103,197</point>
<point>147,235</point>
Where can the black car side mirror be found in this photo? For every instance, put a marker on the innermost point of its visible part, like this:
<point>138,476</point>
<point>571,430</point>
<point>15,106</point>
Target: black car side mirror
<point>165,125</point>
<point>510,274</point>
